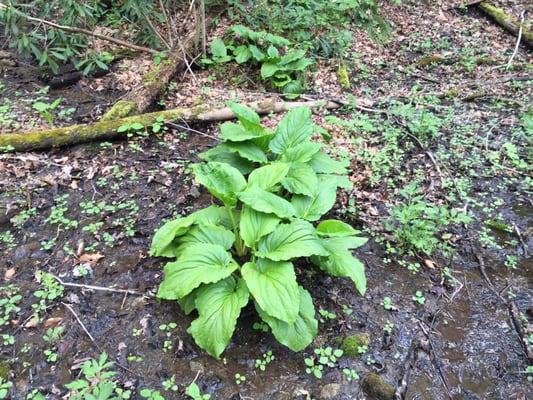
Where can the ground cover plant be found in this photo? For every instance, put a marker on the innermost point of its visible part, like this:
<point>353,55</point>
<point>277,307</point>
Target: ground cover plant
<point>273,185</point>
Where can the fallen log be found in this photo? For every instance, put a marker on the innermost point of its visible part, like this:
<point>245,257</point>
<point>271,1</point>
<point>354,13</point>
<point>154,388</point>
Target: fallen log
<point>508,22</point>
<point>154,82</point>
<point>103,130</point>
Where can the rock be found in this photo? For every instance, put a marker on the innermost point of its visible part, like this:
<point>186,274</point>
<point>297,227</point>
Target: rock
<point>196,367</point>
<point>350,343</point>
<point>376,388</point>
<point>330,390</point>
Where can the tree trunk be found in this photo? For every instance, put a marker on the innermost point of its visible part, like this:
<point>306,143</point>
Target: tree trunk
<point>103,130</point>
<point>508,22</point>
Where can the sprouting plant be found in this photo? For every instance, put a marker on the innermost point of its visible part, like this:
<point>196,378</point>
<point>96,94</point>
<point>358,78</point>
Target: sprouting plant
<point>419,297</point>
<point>389,326</point>
<point>9,298</point>
<point>97,382</point>
<point>324,357</point>
<point>21,218</point>
<point>131,129</point>
<point>53,334</point>
<point>326,315</point>
<point>45,110</point>
<point>170,384</point>
<point>350,374</point>
<point>239,379</point>
<point>268,357</point>
<point>511,261</point>
<point>50,290</point>
<point>158,125</point>
<point>387,303</point>
<point>5,386</point>
<point>225,255</point>
<point>7,340</point>
<point>151,394</point>
<point>193,391</point>
<point>260,326</point>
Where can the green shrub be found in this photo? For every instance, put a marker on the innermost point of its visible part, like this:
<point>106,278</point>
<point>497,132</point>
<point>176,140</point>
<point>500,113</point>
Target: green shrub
<point>272,186</point>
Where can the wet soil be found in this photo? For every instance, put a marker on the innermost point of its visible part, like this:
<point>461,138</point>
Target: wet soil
<point>463,337</point>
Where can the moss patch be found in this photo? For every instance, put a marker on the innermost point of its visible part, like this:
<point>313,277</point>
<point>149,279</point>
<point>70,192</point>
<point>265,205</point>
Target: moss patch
<point>120,109</point>
<point>376,388</point>
<point>350,344</point>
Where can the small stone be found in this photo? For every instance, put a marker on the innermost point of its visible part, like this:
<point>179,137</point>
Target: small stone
<point>330,390</point>
<point>376,388</point>
<point>196,367</point>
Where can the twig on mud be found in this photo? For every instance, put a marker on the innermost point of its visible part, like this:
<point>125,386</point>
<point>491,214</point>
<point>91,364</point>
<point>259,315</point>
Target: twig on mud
<point>522,242</point>
<point>409,362</point>
<point>436,359</point>
<point>178,126</point>
<point>522,334</point>
<point>481,264</point>
<point>517,46</point>
<point>82,326</point>
<point>100,288</point>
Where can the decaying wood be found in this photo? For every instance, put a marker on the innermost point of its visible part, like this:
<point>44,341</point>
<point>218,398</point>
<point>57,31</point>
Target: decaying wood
<point>522,331</point>
<point>103,130</point>
<point>508,22</point>
<point>154,82</point>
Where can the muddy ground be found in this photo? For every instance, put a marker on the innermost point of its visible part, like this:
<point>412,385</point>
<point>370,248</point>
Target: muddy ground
<point>86,214</point>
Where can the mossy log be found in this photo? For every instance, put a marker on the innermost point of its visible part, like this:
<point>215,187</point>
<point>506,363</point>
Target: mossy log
<point>103,130</point>
<point>154,82</point>
<point>508,22</point>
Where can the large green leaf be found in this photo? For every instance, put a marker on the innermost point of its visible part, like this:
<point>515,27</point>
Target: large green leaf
<point>210,234</point>
<point>300,334</point>
<point>324,164</point>
<point>294,129</point>
<point>188,303</point>
<point>238,132</point>
<point>261,200</point>
<point>333,227</point>
<point>222,180</point>
<point>303,152</point>
<point>344,243</point>
<point>301,179</point>
<point>223,154</point>
<point>287,241</point>
<point>247,149</point>
<point>246,116</point>
<point>254,225</point>
<point>268,176</point>
<point>311,208</point>
<point>273,286</point>
<point>343,264</point>
<point>198,263</point>
<point>219,306</point>
<point>166,234</point>
<point>269,69</point>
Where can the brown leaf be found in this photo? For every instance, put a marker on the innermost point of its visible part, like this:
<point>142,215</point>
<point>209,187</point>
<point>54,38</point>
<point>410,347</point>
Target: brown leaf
<point>52,322</point>
<point>91,258</point>
<point>9,274</point>
<point>430,264</point>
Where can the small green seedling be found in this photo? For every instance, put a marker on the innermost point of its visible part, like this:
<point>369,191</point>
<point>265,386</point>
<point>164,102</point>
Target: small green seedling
<point>268,357</point>
<point>45,109</point>
<point>193,391</point>
<point>240,379</point>
<point>419,297</point>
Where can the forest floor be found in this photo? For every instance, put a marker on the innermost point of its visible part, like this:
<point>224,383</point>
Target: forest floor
<point>450,134</point>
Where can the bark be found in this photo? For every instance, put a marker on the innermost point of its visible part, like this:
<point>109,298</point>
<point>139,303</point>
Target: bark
<point>103,130</point>
<point>154,82</point>
<point>508,22</point>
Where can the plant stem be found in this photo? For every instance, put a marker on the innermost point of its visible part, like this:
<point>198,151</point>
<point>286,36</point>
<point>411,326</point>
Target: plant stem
<point>238,241</point>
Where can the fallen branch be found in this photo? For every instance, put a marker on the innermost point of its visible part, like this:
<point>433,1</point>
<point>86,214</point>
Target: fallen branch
<point>103,130</point>
<point>154,82</point>
<point>87,32</point>
<point>508,22</point>
<point>523,332</point>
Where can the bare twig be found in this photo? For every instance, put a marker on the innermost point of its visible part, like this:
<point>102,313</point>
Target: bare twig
<point>87,32</point>
<point>81,324</point>
<point>99,288</point>
<point>436,359</point>
<point>522,333</point>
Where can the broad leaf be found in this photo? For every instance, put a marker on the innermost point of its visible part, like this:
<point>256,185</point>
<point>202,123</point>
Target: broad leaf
<point>254,225</point>
<point>246,116</point>
<point>311,208</point>
<point>268,69</point>
<point>222,180</point>
<point>238,132</point>
<point>287,241</point>
<point>219,306</point>
<point>294,129</point>
<point>261,200</point>
<point>268,176</point>
<point>301,153</point>
<point>218,48</point>
<point>198,263</point>
<point>300,334</point>
<point>188,303</point>
<point>335,244</point>
<point>248,150</point>
<point>332,228</point>
<point>208,234</point>
<point>242,54</point>
<point>273,286</point>
<point>343,264</point>
<point>301,179</point>
<point>166,234</point>
<point>223,154</point>
<point>324,164</point>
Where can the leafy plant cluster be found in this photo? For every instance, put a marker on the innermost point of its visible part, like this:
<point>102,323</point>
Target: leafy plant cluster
<point>52,47</point>
<point>418,226</point>
<point>273,185</point>
<point>323,27</point>
<point>281,66</point>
